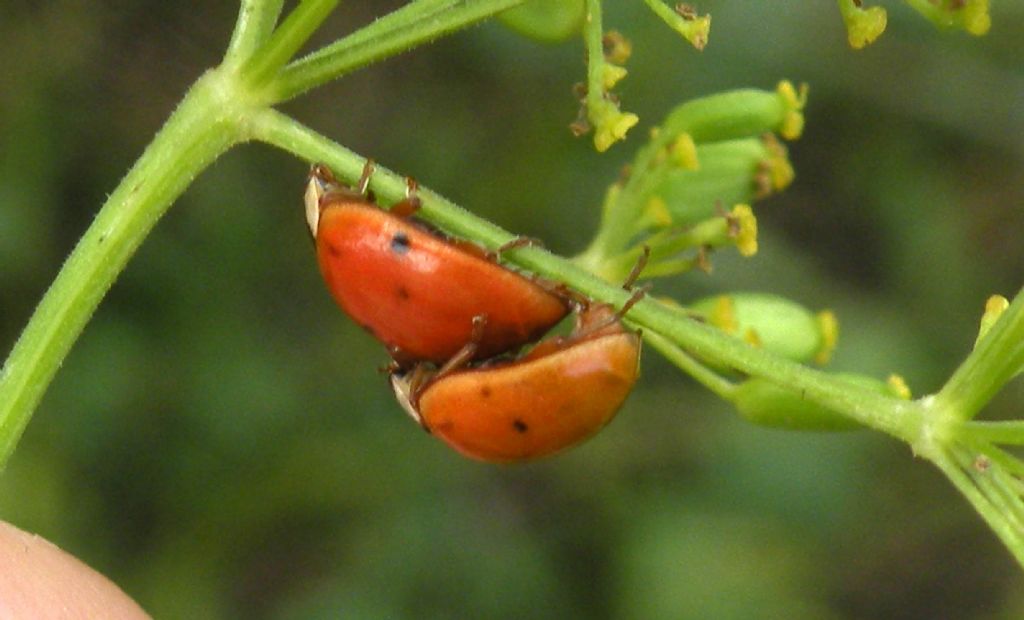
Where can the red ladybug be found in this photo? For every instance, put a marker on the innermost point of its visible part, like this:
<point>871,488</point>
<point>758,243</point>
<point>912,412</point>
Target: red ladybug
<point>416,291</point>
<point>561,392</point>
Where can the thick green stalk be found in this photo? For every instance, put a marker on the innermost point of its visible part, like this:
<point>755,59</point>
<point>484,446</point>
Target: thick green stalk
<point>414,24</point>
<point>719,385</point>
<point>1000,522</point>
<point>286,40</point>
<point>202,127</point>
<point>1008,432</point>
<point>255,24</point>
<point>994,361</point>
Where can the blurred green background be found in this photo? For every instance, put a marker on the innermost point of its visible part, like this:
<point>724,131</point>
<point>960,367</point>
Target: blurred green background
<point>221,444</point>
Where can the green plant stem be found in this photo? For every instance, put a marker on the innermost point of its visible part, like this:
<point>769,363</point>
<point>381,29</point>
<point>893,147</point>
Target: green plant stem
<point>994,482</point>
<point>1000,523</point>
<point>1011,432</point>
<point>255,24</point>
<point>663,11</point>
<point>994,361</point>
<point>415,23</point>
<point>593,31</point>
<point>1008,462</point>
<point>902,419</point>
<point>198,131</point>
<point>720,386</point>
<point>287,39</point>
<point>280,130</point>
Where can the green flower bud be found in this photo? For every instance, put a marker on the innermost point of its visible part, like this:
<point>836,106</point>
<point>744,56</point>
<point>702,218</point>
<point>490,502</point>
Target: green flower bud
<point>863,25</point>
<point>976,19</point>
<point>969,15</point>
<point>994,308</point>
<point>617,48</point>
<point>610,124</point>
<point>546,20</point>
<point>793,102</point>
<point>689,189</point>
<point>741,114</point>
<point>745,230</point>
<point>773,323</point>
<point>612,74</point>
<point>725,173</point>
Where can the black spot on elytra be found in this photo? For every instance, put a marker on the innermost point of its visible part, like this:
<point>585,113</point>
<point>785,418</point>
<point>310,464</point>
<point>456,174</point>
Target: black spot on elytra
<point>403,293</point>
<point>333,250</point>
<point>485,391</point>
<point>520,426</point>
<point>400,243</point>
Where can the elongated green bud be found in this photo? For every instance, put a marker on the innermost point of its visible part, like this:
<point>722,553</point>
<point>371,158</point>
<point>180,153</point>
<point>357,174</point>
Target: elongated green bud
<point>740,114</point>
<point>721,174</point>
<point>773,323</point>
<point>546,20</point>
<point>767,404</point>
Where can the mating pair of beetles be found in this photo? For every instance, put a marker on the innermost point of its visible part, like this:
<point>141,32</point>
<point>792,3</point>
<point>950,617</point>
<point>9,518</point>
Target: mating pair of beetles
<point>452,317</point>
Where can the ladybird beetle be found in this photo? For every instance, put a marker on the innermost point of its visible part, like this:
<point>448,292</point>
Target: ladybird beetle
<point>559,393</point>
<point>416,291</point>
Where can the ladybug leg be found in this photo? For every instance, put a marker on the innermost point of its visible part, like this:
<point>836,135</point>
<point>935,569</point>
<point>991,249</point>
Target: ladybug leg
<point>638,293</point>
<point>596,321</point>
<point>514,244</point>
<point>399,364</point>
<point>468,350</point>
<point>638,268</point>
<point>400,360</point>
<point>363,184</point>
<point>322,174</point>
<point>411,203</point>
<point>566,294</point>
<point>322,189</point>
<point>462,357</point>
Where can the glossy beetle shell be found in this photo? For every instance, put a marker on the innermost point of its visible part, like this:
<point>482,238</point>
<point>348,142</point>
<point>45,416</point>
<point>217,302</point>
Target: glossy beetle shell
<point>532,407</point>
<point>418,292</point>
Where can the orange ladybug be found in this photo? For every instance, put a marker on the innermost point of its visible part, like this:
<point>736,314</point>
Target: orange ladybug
<point>561,392</point>
<point>418,292</point>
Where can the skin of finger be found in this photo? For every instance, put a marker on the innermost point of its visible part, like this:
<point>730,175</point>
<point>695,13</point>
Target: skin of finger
<point>39,580</point>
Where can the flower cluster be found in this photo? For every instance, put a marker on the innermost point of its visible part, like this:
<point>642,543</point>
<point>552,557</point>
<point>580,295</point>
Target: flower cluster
<point>865,24</point>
